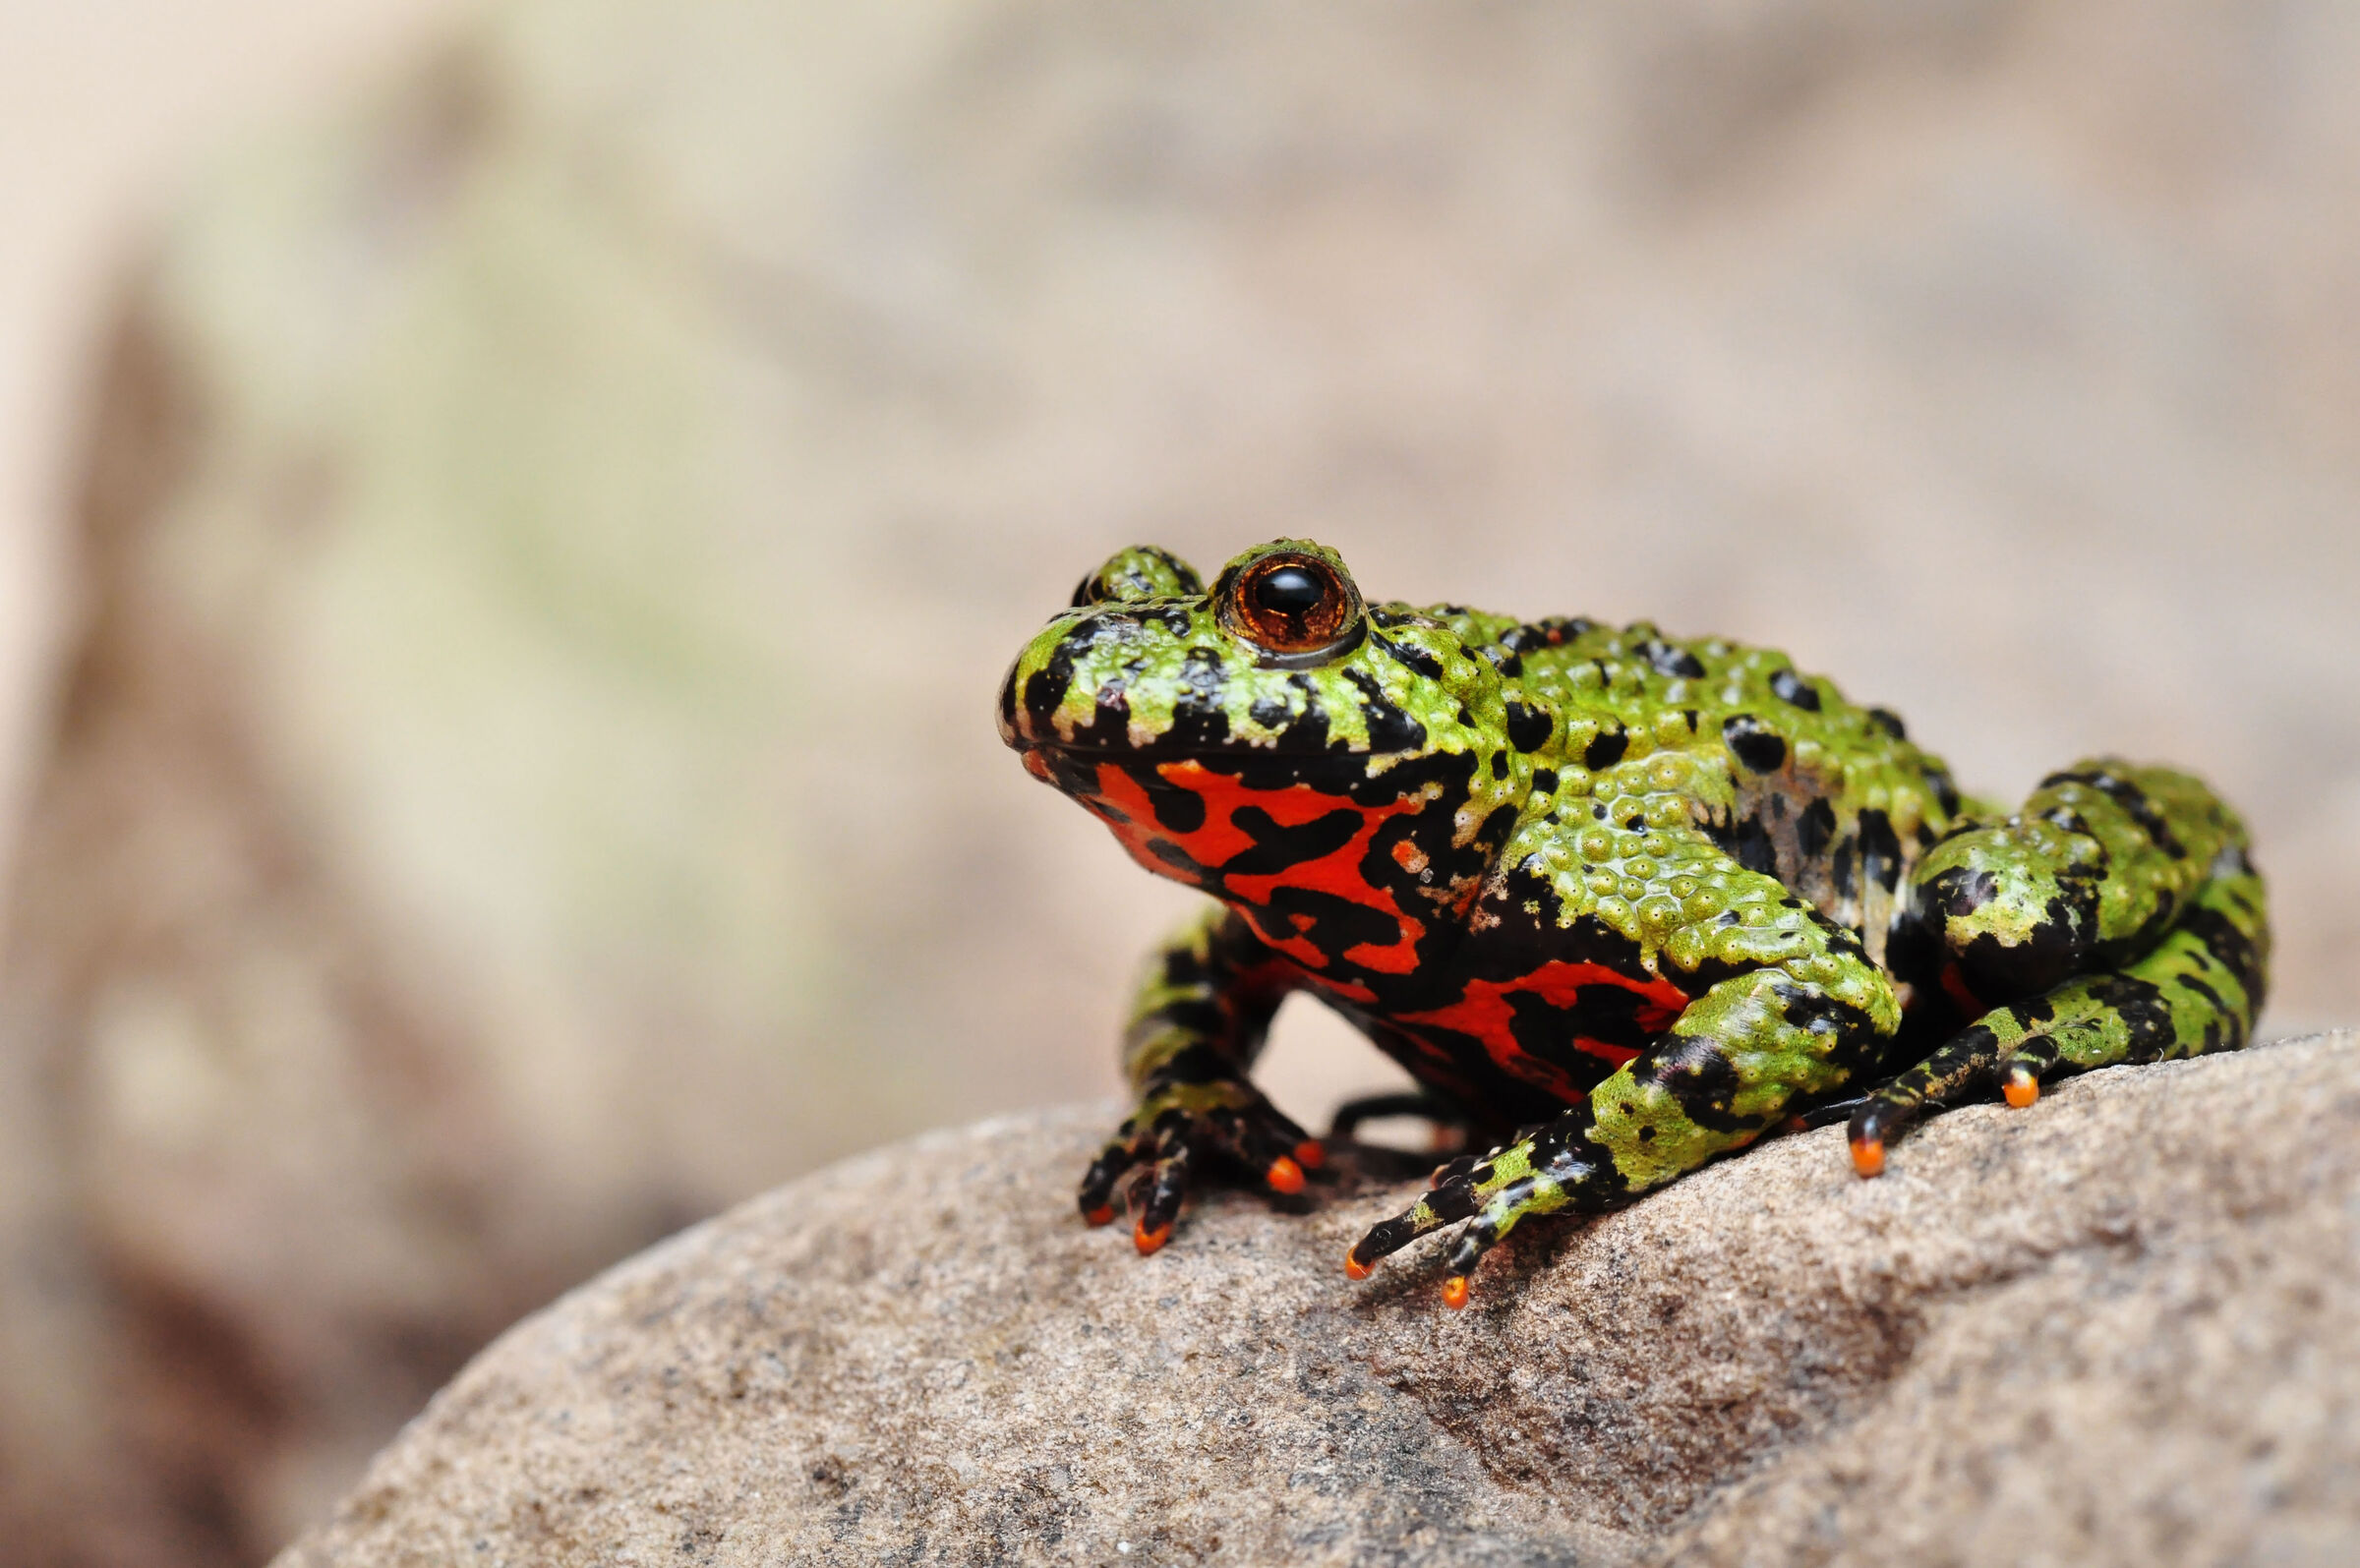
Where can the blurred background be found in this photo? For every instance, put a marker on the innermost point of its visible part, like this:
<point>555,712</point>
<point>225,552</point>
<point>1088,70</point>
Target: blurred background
<point>511,515</point>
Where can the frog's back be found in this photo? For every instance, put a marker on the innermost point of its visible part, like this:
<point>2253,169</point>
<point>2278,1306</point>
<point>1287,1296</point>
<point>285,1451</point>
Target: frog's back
<point>1778,767</point>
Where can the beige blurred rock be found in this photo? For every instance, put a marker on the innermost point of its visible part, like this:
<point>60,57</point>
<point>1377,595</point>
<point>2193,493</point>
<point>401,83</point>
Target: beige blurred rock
<point>2120,1327</point>
<point>527,778</point>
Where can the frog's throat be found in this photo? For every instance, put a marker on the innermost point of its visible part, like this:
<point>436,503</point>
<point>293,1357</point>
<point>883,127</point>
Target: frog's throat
<point>1349,874</point>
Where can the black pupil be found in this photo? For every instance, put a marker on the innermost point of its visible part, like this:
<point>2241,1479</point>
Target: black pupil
<point>1289,591</point>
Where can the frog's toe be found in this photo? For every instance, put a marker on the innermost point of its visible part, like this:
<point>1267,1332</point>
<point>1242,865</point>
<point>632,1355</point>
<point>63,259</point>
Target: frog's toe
<point>1152,1161</point>
<point>2020,1074</point>
<point>1262,1140</point>
<point>1095,1199</point>
<point>1451,1198</point>
<point>1553,1169</point>
<point>1157,1194</point>
<point>1138,1161</point>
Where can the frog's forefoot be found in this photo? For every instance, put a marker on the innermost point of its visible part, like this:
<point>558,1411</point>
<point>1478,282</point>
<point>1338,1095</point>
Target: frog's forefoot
<point>1151,1160</point>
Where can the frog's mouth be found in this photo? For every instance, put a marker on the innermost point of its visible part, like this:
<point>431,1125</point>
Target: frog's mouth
<point>1033,716</point>
<point>1167,777</point>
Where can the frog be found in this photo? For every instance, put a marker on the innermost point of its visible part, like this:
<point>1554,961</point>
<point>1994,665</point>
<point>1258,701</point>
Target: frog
<point>1621,902</point>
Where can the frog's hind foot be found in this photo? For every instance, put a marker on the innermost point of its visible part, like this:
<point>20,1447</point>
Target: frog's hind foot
<point>2196,991</point>
<point>2118,918</point>
<point>1553,1168</point>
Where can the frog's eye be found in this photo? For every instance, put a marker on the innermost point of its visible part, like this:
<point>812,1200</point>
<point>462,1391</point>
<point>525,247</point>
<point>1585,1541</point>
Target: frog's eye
<point>1295,606</point>
<point>1140,573</point>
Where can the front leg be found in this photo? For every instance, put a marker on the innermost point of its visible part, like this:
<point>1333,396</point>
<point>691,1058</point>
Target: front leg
<point>1792,1009</point>
<point>1203,1011</point>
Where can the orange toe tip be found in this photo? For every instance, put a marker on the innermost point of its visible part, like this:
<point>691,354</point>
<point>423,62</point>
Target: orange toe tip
<point>1284,1176</point>
<point>1100,1215</point>
<point>1310,1154</point>
<point>1868,1156</point>
<point>1148,1240</point>
<point>1355,1269</point>
<point>1454,1293</point>
<point>2021,1092</point>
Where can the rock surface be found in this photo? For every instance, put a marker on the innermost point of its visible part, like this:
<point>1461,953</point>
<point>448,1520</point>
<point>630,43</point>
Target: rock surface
<point>2121,1327</point>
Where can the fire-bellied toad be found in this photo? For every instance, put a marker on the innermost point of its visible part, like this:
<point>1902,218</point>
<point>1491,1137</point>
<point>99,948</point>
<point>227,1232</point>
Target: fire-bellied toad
<point>1643,897</point>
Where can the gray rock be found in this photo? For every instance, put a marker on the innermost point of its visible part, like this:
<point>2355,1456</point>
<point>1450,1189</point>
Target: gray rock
<point>2120,1327</point>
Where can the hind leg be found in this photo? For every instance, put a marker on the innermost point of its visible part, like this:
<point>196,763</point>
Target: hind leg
<point>2116,920</point>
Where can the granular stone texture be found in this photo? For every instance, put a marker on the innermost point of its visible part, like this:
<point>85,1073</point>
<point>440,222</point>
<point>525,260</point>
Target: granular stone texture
<point>2121,1326</point>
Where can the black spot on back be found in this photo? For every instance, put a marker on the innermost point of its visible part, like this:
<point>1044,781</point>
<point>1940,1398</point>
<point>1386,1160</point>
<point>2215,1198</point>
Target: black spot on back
<point>1753,743</point>
<point>1199,720</point>
<point>1605,749</point>
<point>1789,686</point>
<point>1389,728</point>
<point>1416,658</point>
<point>2133,801</point>
<point>1670,661</point>
<point>1528,727</point>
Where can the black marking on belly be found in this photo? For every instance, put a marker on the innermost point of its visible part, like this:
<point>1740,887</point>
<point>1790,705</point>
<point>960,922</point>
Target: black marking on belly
<point>1177,809</point>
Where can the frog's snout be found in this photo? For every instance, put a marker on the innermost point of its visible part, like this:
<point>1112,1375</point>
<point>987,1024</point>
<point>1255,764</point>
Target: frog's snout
<point>1010,735</point>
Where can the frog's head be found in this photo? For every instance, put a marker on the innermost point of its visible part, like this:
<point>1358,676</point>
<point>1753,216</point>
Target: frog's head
<point>1334,769</point>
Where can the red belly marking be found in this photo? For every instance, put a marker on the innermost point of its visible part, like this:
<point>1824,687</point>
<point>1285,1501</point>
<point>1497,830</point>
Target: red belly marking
<point>1220,840</point>
<point>1484,1012</point>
